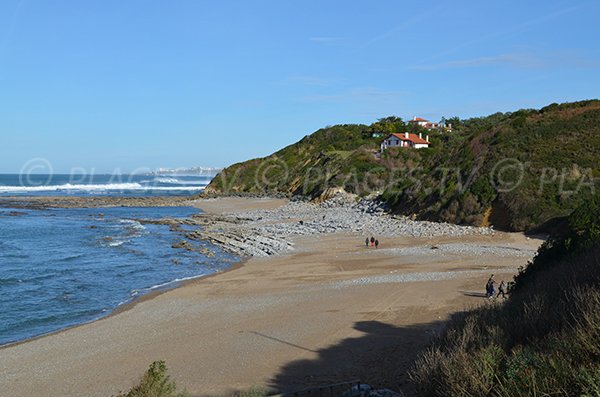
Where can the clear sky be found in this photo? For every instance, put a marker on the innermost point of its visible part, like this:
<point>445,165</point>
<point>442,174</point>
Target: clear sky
<point>126,84</point>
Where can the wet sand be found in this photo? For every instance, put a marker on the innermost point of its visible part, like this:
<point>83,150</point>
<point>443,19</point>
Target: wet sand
<point>330,310</point>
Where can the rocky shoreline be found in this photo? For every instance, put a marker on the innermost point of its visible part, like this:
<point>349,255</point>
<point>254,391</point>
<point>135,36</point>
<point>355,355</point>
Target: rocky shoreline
<point>260,233</point>
<point>45,202</point>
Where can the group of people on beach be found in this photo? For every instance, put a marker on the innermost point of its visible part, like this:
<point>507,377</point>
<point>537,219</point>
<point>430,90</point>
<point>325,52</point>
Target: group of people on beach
<point>373,241</point>
<point>490,290</point>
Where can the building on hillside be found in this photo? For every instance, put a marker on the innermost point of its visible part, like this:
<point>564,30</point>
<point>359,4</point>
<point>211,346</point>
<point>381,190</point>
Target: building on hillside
<point>445,125</point>
<point>430,125</point>
<point>405,140</point>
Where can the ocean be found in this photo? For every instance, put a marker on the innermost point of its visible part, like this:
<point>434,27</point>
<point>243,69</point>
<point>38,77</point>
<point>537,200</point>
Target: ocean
<point>63,267</point>
<point>101,184</point>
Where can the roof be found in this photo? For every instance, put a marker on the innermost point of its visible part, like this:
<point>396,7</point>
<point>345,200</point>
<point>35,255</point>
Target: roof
<point>414,138</point>
<point>417,119</point>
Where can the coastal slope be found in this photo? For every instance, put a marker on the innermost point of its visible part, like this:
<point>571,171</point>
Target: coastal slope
<point>516,171</point>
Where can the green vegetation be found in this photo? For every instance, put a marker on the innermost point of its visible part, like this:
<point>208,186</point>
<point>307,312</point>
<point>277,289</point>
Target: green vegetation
<point>514,170</point>
<point>155,383</point>
<point>305,168</point>
<point>544,341</point>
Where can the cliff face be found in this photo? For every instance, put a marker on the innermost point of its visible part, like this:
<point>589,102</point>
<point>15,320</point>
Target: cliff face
<point>513,170</point>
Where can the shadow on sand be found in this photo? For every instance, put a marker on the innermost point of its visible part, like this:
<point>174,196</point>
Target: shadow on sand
<point>474,294</point>
<point>381,358</point>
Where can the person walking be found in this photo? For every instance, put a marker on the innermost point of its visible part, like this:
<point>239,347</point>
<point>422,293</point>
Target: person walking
<point>502,290</point>
<point>376,243</point>
<point>489,287</point>
<point>372,241</point>
<point>367,242</point>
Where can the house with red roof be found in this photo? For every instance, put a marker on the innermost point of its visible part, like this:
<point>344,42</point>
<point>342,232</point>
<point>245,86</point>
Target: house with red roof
<point>430,125</point>
<point>406,140</point>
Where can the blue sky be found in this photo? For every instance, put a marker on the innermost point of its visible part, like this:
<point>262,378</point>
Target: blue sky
<point>103,85</point>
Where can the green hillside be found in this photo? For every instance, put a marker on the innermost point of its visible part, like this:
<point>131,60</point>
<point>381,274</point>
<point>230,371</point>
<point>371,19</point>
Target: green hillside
<point>514,170</point>
<point>543,341</point>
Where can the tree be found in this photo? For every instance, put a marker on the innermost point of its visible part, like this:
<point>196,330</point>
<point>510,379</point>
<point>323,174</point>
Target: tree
<point>387,125</point>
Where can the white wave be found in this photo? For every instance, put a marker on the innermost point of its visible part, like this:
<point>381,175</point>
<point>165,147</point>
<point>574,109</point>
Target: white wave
<point>134,225</point>
<point>92,188</point>
<point>132,222</point>
<point>68,186</point>
<point>177,280</point>
<point>134,293</point>
<point>166,180</point>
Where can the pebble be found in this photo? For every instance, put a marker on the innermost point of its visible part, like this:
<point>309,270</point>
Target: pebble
<point>268,232</point>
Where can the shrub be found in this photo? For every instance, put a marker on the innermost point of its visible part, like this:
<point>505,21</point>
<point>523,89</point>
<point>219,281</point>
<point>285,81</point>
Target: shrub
<point>155,383</point>
<point>544,341</point>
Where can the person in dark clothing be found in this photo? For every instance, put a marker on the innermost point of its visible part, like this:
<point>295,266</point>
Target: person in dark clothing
<point>367,242</point>
<point>501,289</point>
<point>372,241</point>
<point>489,287</point>
<point>376,243</point>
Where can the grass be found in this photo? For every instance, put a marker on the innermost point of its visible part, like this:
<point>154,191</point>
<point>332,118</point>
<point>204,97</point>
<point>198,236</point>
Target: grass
<point>544,341</point>
<point>344,154</point>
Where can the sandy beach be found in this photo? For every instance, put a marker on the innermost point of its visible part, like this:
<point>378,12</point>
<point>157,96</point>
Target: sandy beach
<point>328,310</point>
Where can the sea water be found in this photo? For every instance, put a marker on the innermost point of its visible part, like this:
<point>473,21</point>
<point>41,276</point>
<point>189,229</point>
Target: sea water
<point>62,267</point>
<point>101,184</point>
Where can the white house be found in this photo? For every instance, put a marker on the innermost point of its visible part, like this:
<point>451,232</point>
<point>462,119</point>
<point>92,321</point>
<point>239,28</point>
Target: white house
<point>405,140</point>
<point>430,125</point>
<point>443,125</point>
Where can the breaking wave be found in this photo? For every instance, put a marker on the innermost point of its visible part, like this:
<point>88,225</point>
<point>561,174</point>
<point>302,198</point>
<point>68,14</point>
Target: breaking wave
<point>95,187</point>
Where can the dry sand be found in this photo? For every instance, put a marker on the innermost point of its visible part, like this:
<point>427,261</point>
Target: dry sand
<point>330,311</point>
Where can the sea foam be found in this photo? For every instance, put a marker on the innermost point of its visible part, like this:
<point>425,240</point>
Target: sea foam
<point>93,188</point>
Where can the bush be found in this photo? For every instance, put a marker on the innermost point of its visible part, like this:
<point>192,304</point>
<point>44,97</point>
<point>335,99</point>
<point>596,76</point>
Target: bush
<point>544,341</point>
<point>155,383</point>
<point>540,344</point>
